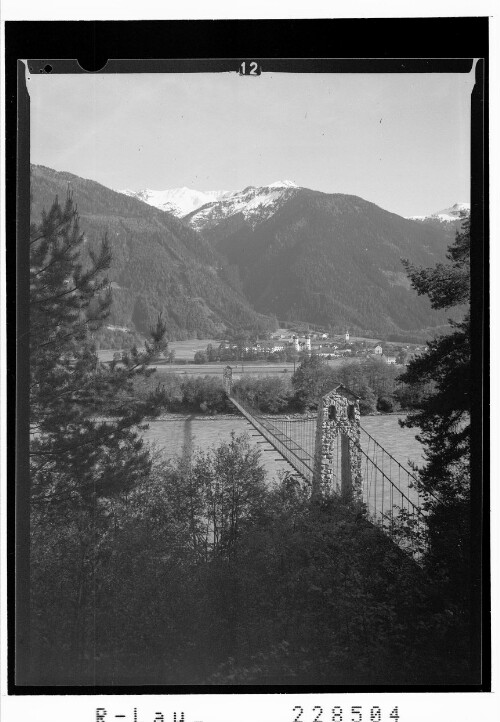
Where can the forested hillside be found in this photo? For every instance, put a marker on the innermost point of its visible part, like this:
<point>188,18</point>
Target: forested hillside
<point>293,253</point>
<point>333,259</point>
<point>159,264</point>
<point>449,228</point>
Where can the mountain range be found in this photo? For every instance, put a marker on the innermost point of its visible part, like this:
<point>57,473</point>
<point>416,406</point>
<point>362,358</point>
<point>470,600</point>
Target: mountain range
<point>184,201</point>
<point>328,259</point>
<point>203,208</point>
<point>218,260</point>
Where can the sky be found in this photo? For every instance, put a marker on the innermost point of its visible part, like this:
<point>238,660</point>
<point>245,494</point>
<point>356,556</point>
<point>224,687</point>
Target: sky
<point>401,141</point>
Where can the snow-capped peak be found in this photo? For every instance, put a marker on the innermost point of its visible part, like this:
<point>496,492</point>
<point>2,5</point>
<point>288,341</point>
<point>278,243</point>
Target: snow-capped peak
<point>460,207</point>
<point>254,204</point>
<point>453,212</point>
<point>283,184</point>
<point>179,201</point>
<point>447,215</point>
<point>183,201</point>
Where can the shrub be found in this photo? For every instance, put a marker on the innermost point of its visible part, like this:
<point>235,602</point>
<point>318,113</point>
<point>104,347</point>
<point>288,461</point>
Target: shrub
<point>204,394</point>
<point>270,394</point>
<point>385,404</point>
<point>367,402</point>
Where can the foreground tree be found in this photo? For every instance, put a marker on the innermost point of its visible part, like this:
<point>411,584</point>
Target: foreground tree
<point>86,449</point>
<point>232,485</point>
<point>83,413</point>
<point>443,416</point>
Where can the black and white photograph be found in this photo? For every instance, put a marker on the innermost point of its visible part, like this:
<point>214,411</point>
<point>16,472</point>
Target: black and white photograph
<point>254,388</point>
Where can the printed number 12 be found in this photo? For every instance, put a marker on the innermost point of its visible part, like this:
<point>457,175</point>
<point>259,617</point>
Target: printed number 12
<point>252,70</point>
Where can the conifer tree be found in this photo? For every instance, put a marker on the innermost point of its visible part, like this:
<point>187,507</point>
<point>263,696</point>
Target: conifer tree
<point>86,451</point>
<point>84,417</point>
<point>443,416</point>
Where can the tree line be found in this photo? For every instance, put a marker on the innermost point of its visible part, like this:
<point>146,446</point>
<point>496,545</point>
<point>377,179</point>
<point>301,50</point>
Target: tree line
<point>376,383</point>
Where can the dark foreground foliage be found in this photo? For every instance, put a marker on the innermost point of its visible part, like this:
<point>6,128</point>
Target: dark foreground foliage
<point>443,420</point>
<point>205,575</point>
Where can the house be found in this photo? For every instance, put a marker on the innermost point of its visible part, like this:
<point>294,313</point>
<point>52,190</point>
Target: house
<point>378,350</point>
<point>390,359</point>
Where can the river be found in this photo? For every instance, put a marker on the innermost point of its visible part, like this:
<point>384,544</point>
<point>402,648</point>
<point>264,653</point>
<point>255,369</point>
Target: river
<point>173,431</point>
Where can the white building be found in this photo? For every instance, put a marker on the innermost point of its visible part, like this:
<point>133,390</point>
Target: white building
<point>304,345</point>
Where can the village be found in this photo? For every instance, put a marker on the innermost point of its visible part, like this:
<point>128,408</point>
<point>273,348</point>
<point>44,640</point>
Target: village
<point>287,345</point>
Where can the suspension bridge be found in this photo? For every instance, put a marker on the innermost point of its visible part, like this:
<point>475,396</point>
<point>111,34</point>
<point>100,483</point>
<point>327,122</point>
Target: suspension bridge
<point>333,453</point>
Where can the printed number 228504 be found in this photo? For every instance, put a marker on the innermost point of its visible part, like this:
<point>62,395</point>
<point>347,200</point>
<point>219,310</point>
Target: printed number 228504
<point>339,714</point>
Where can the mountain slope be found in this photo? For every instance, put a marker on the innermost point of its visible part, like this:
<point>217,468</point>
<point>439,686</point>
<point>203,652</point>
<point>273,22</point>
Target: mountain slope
<point>159,264</point>
<point>329,259</point>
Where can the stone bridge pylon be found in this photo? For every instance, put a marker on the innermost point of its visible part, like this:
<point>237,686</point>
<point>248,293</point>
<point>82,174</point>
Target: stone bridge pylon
<point>337,458</point>
<point>227,378</point>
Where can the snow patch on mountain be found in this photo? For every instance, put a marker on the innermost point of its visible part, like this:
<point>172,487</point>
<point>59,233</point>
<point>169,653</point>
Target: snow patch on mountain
<point>255,204</point>
<point>283,184</point>
<point>179,201</point>
<point>184,201</point>
<point>447,215</point>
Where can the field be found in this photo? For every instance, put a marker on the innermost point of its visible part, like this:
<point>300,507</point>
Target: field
<point>187,349</point>
<point>260,368</point>
<point>183,349</point>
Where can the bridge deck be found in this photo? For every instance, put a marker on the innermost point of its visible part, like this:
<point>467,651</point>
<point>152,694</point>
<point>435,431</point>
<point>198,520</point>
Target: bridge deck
<point>283,444</point>
<point>386,487</point>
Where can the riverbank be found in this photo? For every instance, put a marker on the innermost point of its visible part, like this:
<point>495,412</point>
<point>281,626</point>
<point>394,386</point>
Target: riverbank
<point>182,416</point>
